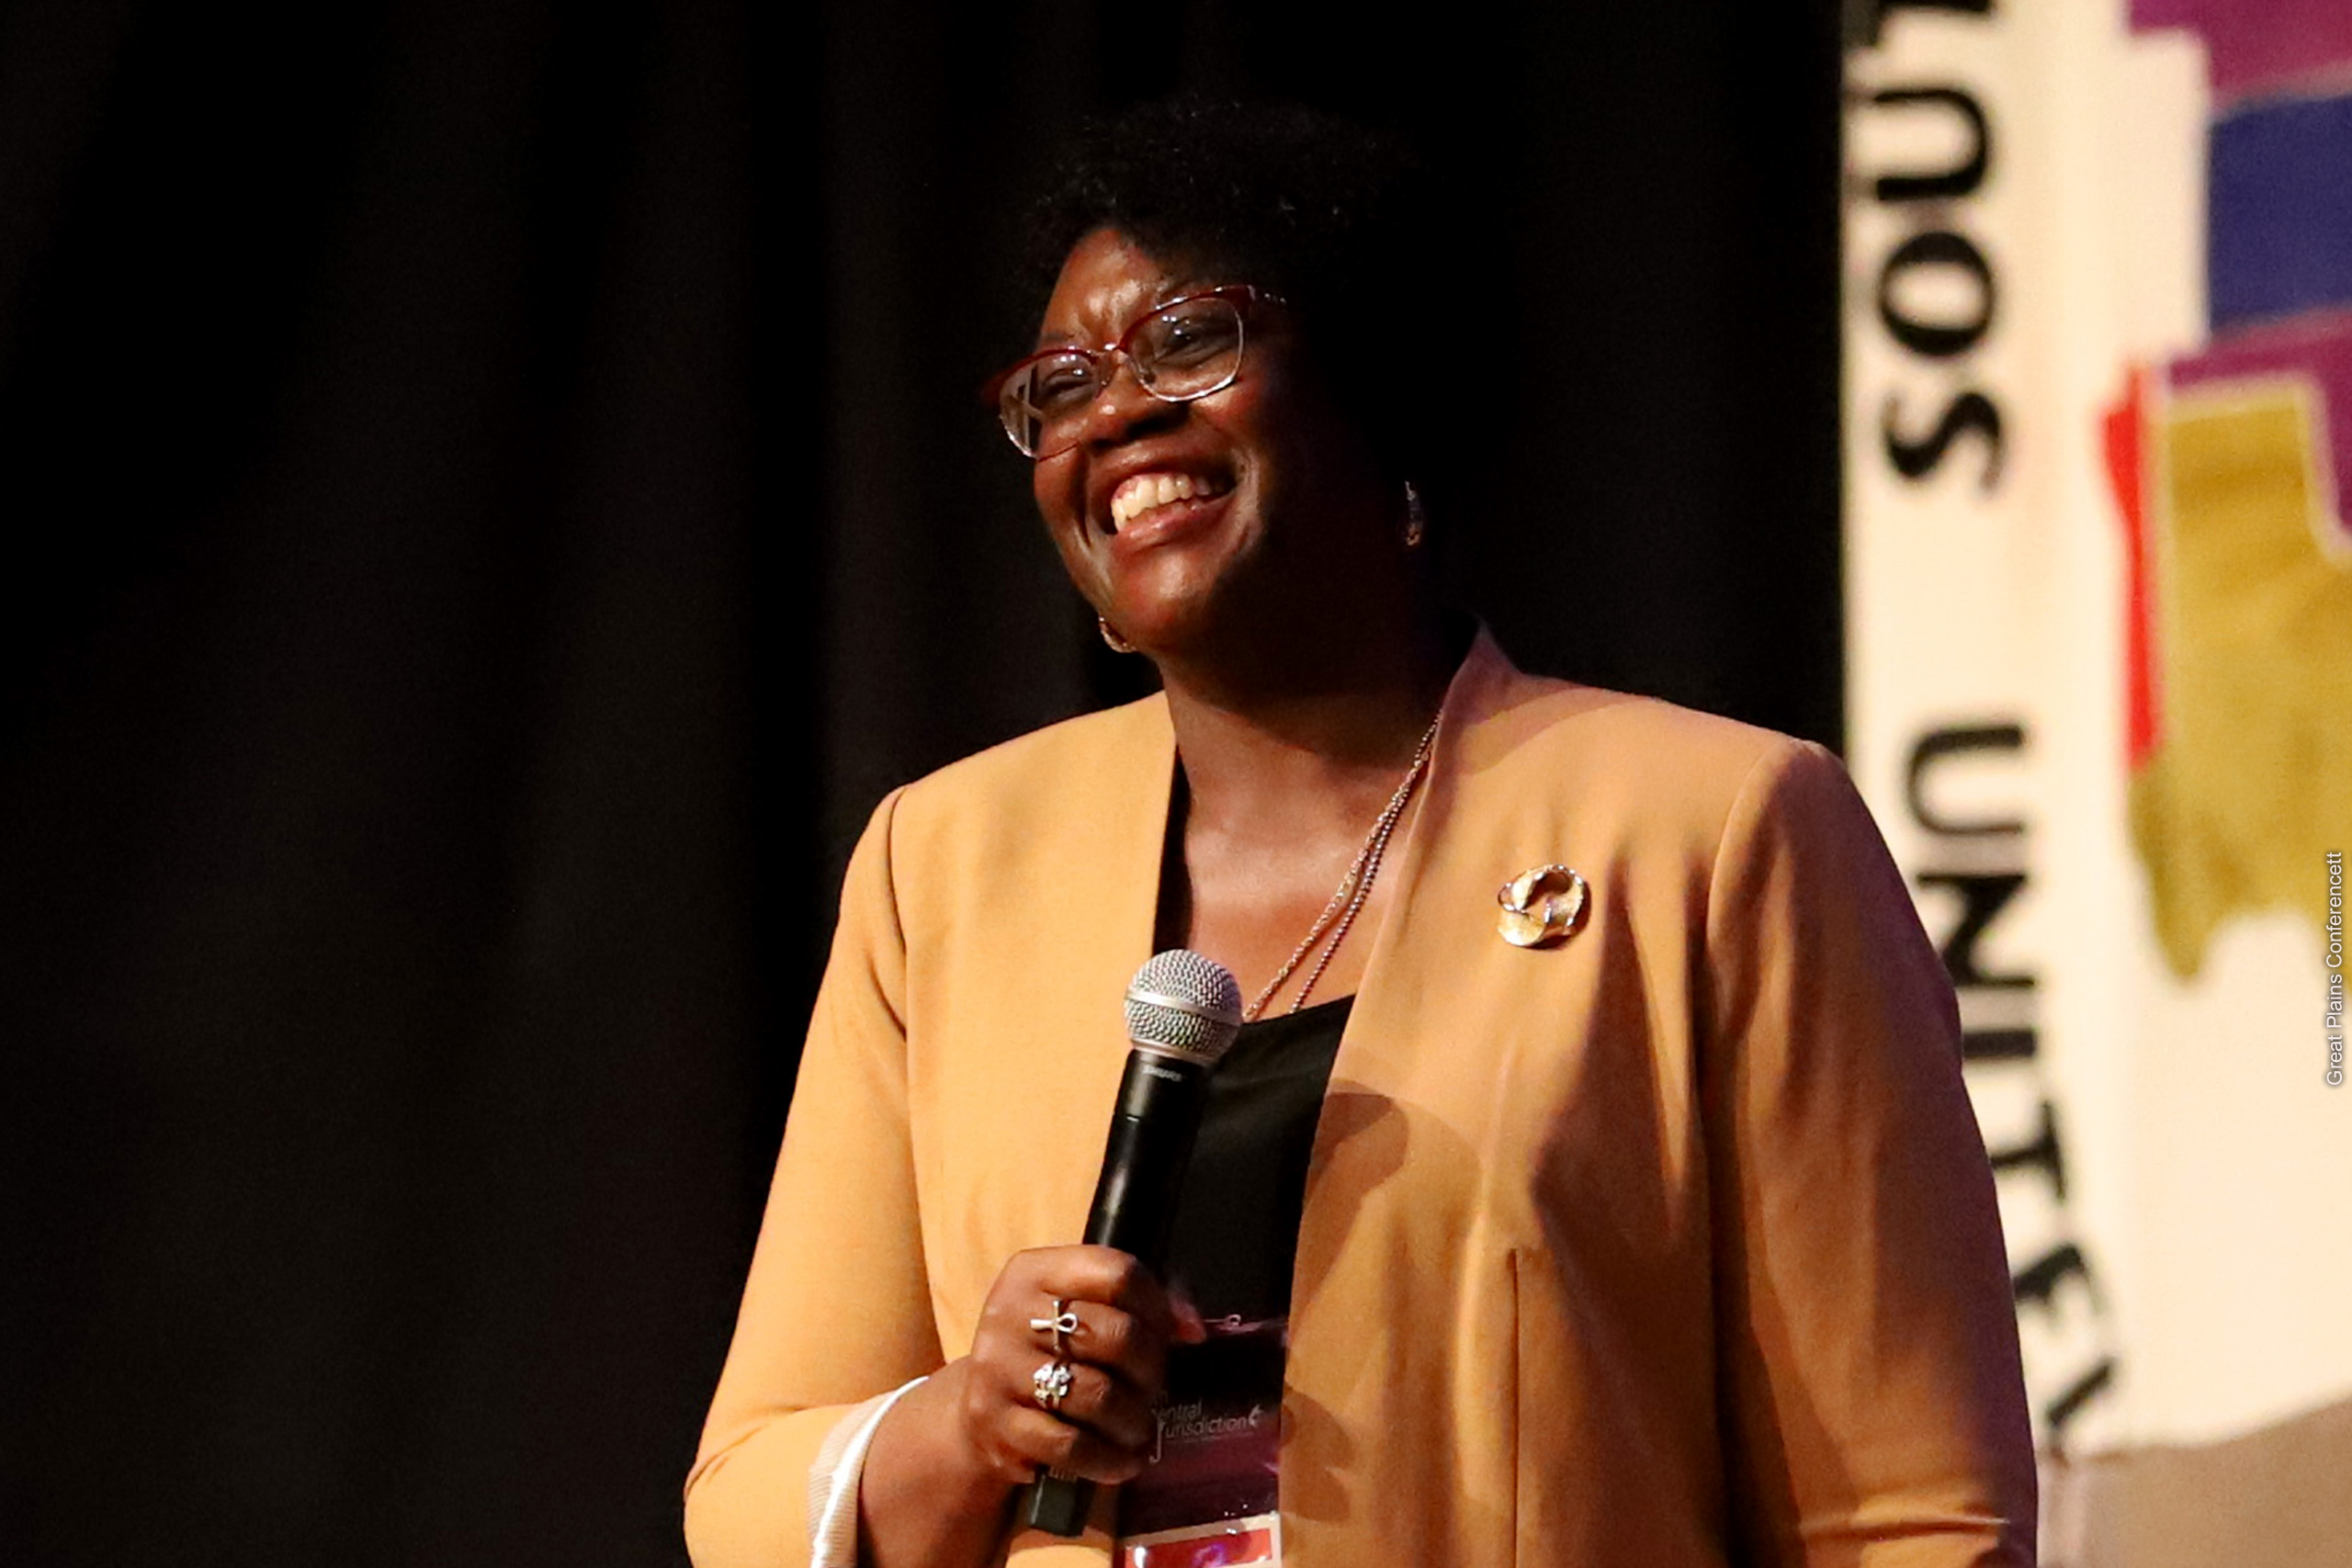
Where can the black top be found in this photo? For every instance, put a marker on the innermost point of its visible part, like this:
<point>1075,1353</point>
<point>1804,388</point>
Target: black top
<point>1237,1222</point>
<point>1212,1468</point>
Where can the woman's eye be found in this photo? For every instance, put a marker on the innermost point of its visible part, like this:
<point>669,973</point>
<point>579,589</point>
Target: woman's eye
<point>1191,338</point>
<point>1059,384</point>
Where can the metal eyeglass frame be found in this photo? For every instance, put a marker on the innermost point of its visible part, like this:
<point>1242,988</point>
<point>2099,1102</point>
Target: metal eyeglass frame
<point>1243,296</point>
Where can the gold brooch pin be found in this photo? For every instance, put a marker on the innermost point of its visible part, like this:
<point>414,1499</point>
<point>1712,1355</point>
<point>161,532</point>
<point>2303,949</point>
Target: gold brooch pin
<point>1541,906</point>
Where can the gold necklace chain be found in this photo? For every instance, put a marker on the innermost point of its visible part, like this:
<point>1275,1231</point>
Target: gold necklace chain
<point>1347,900</point>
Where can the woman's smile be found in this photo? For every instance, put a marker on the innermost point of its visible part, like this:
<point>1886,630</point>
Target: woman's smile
<point>1160,497</point>
<point>1161,524</point>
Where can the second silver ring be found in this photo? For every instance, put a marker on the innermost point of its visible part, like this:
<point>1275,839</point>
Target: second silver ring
<point>1050,1384</point>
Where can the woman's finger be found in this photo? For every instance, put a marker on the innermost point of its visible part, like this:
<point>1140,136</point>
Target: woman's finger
<point>1110,1310</point>
<point>1104,1336</point>
<point>1116,1279</point>
<point>1099,1274</point>
<point>1097,1428</point>
<point>1046,1442</point>
<point>1091,1398</point>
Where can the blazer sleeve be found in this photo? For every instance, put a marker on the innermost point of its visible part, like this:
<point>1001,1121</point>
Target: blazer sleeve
<point>837,1308</point>
<point>1872,1400</point>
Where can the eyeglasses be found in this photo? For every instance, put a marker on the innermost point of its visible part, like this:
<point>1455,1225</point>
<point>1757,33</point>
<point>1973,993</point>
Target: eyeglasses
<point>1184,349</point>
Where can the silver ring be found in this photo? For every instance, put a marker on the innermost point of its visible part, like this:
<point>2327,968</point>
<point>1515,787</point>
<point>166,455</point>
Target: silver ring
<point>1061,1325</point>
<point>1051,1384</point>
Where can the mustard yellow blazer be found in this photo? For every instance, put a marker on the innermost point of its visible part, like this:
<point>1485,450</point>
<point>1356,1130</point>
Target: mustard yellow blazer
<point>1671,1243</point>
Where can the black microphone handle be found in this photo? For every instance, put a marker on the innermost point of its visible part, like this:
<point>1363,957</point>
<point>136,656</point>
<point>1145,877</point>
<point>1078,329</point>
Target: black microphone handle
<point>1159,1115</point>
<point>1160,1098</point>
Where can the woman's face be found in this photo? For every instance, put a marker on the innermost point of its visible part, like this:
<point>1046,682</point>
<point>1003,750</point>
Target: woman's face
<point>1285,494</point>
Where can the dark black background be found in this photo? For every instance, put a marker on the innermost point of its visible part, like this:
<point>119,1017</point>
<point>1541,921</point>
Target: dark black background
<point>494,494</point>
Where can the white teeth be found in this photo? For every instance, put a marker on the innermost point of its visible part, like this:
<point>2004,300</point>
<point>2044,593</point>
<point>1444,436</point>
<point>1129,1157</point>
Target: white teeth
<point>1146,491</point>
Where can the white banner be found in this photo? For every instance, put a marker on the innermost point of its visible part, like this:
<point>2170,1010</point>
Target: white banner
<point>2098,350</point>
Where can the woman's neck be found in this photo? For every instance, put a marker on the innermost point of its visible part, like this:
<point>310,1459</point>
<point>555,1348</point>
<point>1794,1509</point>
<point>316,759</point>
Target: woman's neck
<point>1320,731</point>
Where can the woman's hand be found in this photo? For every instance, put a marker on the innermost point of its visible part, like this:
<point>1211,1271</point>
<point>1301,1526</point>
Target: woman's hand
<point>1118,1359</point>
<point>944,1459</point>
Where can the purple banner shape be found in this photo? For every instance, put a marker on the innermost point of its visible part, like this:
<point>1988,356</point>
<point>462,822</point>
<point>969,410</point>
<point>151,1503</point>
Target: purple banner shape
<point>2258,45</point>
<point>2279,222</point>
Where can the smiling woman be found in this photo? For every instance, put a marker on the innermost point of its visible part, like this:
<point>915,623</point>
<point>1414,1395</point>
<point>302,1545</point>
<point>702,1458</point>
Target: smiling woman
<point>1645,1225</point>
<point>1187,244</point>
<point>1202,527</point>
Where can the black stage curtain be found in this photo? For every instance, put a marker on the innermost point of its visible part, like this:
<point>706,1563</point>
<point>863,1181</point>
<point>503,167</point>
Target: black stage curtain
<point>496,495</point>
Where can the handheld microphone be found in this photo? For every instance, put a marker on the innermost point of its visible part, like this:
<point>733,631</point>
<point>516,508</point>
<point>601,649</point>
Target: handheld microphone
<point>1182,1011</point>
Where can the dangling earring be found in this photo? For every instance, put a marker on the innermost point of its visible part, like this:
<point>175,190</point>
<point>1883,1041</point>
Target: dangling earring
<point>1416,517</point>
<point>1111,635</point>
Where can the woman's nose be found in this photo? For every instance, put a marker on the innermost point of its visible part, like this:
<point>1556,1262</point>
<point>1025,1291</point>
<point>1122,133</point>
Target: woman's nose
<point>1123,408</point>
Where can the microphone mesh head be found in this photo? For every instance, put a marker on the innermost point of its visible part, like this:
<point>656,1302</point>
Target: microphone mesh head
<point>1185,1005</point>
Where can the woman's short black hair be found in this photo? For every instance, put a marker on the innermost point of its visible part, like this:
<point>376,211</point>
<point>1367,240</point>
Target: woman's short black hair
<point>1345,222</point>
